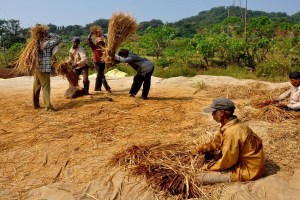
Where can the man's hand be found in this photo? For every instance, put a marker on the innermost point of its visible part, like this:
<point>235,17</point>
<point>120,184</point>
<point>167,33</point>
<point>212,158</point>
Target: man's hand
<point>74,66</point>
<point>90,35</point>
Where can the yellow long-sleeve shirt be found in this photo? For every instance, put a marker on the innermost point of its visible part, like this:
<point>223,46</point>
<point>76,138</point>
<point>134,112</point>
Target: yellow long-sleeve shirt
<point>242,152</point>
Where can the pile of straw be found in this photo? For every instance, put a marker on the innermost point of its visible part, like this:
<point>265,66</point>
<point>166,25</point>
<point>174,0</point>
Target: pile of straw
<point>66,71</point>
<point>276,114</point>
<point>170,168</point>
<point>121,27</point>
<point>96,30</point>
<point>28,61</point>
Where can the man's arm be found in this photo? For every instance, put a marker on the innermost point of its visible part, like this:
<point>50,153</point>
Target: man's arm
<point>284,95</point>
<point>122,59</point>
<point>230,154</point>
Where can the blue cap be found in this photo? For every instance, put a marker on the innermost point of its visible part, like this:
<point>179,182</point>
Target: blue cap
<point>76,39</point>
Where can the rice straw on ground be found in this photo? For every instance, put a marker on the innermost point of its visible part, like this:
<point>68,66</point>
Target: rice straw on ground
<point>170,168</point>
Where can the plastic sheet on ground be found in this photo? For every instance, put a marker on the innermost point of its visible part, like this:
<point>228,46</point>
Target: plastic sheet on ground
<point>276,187</point>
<point>115,73</point>
<point>113,185</point>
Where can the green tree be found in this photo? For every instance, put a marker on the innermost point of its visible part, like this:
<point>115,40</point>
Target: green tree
<point>156,40</point>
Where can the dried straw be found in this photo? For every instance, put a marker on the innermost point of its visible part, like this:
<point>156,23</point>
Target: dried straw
<point>96,30</point>
<point>28,61</point>
<point>121,27</point>
<point>276,114</point>
<point>170,168</point>
<point>66,71</point>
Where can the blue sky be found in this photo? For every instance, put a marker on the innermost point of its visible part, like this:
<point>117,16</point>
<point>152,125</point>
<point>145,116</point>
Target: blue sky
<point>82,12</point>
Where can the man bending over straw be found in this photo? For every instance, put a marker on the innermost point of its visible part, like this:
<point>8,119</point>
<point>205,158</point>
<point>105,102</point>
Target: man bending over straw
<point>242,157</point>
<point>36,59</point>
<point>142,66</point>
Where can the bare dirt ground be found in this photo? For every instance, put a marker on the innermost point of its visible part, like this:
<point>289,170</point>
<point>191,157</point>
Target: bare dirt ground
<point>73,145</point>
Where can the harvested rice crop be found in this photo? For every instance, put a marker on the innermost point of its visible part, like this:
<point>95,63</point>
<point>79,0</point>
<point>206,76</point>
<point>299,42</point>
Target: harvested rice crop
<point>170,168</point>
<point>96,30</point>
<point>121,27</point>
<point>28,61</point>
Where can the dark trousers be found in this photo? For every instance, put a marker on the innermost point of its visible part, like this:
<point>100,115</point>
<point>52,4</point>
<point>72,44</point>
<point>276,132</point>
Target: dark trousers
<point>85,73</point>
<point>138,80</point>
<point>100,77</point>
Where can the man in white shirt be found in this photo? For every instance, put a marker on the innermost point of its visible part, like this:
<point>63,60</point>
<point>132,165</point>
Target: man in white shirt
<point>78,58</point>
<point>293,93</point>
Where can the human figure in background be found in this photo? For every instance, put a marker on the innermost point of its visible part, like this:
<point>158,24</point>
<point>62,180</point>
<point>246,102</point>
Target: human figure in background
<point>293,93</point>
<point>241,150</point>
<point>99,64</point>
<point>78,58</point>
<point>142,66</point>
<point>42,77</point>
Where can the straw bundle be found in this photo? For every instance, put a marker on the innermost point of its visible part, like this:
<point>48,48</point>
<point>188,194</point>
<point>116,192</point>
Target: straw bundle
<point>28,61</point>
<point>277,114</point>
<point>65,70</point>
<point>120,28</point>
<point>170,168</point>
<point>96,30</point>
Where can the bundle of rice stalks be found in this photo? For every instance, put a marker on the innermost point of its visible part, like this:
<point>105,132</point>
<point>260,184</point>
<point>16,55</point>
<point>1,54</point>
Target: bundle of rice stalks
<point>66,71</point>
<point>120,28</point>
<point>276,114</point>
<point>170,168</point>
<point>96,30</point>
<point>28,61</point>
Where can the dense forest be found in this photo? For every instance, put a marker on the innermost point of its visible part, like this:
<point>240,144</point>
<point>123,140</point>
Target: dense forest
<point>213,38</point>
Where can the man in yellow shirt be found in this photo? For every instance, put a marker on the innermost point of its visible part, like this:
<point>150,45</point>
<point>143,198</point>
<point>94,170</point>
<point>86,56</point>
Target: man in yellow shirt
<point>242,157</point>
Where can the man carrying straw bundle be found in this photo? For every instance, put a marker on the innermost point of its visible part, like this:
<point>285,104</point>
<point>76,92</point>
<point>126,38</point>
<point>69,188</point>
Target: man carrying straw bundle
<point>242,157</point>
<point>293,93</point>
<point>99,63</point>
<point>78,58</point>
<point>36,59</point>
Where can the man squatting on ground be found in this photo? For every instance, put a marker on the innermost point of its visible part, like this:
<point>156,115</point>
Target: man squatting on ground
<point>142,66</point>
<point>97,49</point>
<point>77,57</point>
<point>42,77</point>
<point>242,157</point>
<point>293,93</point>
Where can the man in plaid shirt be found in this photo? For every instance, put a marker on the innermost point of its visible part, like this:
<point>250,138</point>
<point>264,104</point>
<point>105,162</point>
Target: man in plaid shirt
<point>42,77</point>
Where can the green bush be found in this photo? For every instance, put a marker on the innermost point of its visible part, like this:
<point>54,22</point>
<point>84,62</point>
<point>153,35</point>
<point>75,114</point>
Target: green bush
<point>162,62</point>
<point>174,71</point>
<point>272,69</point>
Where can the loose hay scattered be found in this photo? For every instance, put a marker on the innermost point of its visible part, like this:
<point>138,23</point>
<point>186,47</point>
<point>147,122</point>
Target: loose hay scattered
<point>28,61</point>
<point>121,27</point>
<point>170,168</point>
<point>275,114</point>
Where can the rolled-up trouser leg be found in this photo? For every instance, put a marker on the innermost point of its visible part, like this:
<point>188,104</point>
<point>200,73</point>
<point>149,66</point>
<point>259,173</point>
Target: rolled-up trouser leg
<point>213,177</point>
